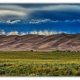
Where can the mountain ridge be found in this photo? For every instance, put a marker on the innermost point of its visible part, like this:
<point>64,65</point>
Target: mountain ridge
<point>61,42</point>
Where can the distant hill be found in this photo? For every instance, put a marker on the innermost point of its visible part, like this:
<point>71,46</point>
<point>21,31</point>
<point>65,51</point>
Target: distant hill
<point>62,42</point>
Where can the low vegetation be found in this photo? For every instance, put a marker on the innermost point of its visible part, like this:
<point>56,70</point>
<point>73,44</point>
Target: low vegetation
<point>30,63</point>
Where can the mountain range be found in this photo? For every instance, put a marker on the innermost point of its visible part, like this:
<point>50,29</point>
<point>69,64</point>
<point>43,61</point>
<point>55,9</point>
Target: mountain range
<point>61,42</point>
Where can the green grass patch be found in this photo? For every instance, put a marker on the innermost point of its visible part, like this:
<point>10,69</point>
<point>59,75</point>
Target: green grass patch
<point>30,63</point>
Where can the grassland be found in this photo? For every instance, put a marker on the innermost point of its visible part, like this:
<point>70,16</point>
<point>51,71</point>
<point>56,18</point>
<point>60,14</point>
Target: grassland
<point>30,63</point>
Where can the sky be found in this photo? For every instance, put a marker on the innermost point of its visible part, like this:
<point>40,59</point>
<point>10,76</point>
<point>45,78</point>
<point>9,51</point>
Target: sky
<point>42,19</point>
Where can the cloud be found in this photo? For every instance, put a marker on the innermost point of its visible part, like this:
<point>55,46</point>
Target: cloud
<point>2,32</point>
<point>13,33</point>
<point>59,7</point>
<point>12,10</point>
<point>23,33</point>
<point>45,32</point>
<point>38,21</point>
<point>21,12</point>
<point>18,10</point>
<point>56,7</point>
<point>12,22</point>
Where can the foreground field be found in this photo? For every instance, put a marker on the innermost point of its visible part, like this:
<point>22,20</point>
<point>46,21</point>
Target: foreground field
<point>29,63</point>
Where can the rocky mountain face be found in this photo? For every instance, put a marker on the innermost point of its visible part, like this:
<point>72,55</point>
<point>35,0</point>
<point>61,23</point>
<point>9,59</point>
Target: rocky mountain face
<point>62,42</point>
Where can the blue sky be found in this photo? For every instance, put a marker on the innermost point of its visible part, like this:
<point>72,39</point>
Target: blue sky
<point>39,18</point>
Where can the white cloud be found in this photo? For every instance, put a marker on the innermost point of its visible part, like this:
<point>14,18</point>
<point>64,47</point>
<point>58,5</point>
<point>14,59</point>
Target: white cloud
<point>12,10</point>
<point>45,32</point>
<point>13,33</point>
<point>23,33</point>
<point>58,7</point>
<point>2,32</point>
<point>61,7</point>
<point>22,11</point>
<point>37,21</point>
<point>12,22</point>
